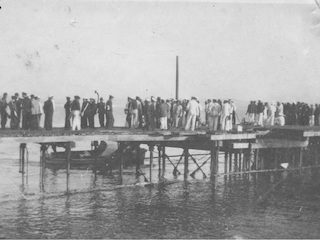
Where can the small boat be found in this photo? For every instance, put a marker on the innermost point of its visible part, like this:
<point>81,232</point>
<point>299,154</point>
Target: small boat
<point>88,159</point>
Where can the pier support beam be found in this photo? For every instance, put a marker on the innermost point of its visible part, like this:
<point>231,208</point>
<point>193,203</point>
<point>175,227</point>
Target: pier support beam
<point>214,167</point>
<point>43,150</point>
<point>68,156</point>
<point>121,150</point>
<point>151,147</point>
<point>230,161</point>
<point>186,162</point>
<point>163,158</point>
<point>225,162</point>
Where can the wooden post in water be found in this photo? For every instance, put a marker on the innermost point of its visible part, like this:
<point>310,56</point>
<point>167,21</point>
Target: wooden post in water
<point>68,156</point>
<point>275,155</point>
<point>214,167</point>
<point>95,147</point>
<point>186,163</point>
<point>230,162</point>
<point>137,147</point>
<point>151,147</point>
<point>43,150</point>
<point>121,148</point>
<point>236,162</point>
<point>159,158</point>
<point>163,157</point>
<point>225,161</point>
<point>240,161</point>
<point>301,160</point>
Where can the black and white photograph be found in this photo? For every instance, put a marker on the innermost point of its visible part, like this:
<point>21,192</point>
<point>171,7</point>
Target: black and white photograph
<point>158,119</point>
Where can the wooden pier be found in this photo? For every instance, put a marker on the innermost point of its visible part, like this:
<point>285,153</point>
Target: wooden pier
<point>252,151</point>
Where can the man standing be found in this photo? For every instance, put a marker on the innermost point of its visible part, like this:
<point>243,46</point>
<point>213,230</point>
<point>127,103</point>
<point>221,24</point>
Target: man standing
<point>109,113</point>
<point>92,112</point>
<point>192,109</point>
<point>26,111</point>
<point>260,110</point>
<point>164,108</point>
<point>135,114</point>
<point>18,104</point>
<point>14,123</point>
<point>67,109</point>
<point>48,109</point>
<point>84,113</point>
<point>177,114</point>
<point>225,116</point>
<point>214,113</point>
<point>3,110</point>
<point>101,111</point>
<point>75,112</point>
<point>34,124</point>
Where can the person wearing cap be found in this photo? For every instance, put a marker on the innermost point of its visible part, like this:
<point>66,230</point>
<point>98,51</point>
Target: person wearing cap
<point>34,121</point>
<point>177,114</point>
<point>192,109</point>
<point>151,112</point>
<point>128,112</point>
<point>18,101</point>
<point>84,113</point>
<point>92,112</point>
<point>25,111</point>
<point>214,114</point>
<point>3,110</point>
<point>14,123</point>
<point>67,110</point>
<point>101,111</point>
<point>109,113</point>
<point>48,109</point>
<point>75,114</point>
<point>135,113</point>
<point>164,109</point>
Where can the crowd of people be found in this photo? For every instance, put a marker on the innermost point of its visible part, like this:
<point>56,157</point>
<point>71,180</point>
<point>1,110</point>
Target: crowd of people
<point>272,113</point>
<point>153,113</point>
<point>26,112</point>
<point>166,114</point>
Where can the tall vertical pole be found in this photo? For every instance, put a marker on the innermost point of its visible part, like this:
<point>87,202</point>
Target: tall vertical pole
<point>177,77</point>
<point>225,161</point>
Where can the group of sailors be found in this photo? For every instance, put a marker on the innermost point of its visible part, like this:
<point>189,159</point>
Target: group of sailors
<point>166,114</point>
<point>26,112</point>
<point>77,118</point>
<point>272,113</point>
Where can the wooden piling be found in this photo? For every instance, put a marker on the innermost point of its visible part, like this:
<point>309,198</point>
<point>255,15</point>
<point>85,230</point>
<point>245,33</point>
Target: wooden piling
<point>137,147</point>
<point>300,160</point>
<point>230,161</point>
<point>163,158</point>
<point>226,162</point>
<point>275,155</point>
<point>240,162</point>
<point>68,155</point>
<point>236,162</point>
<point>186,163</point>
<point>151,147</point>
<point>159,159</point>
<point>214,163</point>
<point>121,148</point>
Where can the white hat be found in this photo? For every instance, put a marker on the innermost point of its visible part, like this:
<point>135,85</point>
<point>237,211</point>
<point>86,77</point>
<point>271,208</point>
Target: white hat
<point>148,99</point>
<point>153,98</point>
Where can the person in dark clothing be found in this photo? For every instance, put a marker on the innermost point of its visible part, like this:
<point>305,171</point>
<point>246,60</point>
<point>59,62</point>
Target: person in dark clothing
<point>48,112</point>
<point>316,115</point>
<point>109,113</point>
<point>101,111</point>
<point>67,109</point>
<point>3,110</point>
<point>26,111</point>
<point>158,112</point>
<point>151,113</point>
<point>128,112</point>
<point>18,101</point>
<point>84,113</point>
<point>14,123</point>
<point>92,112</point>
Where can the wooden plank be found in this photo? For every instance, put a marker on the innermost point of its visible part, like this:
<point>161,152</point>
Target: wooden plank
<point>233,136</point>
<point>240,145</point>
<point>279,143</point>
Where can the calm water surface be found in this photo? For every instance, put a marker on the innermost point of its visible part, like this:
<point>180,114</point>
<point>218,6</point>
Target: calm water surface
<point>240,206</point>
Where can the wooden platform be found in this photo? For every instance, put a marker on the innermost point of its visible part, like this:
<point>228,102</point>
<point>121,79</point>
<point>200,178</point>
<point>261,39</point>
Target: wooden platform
<point>252,137</point>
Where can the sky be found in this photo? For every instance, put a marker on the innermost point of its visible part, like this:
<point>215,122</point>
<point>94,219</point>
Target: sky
<point>227,49</point>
